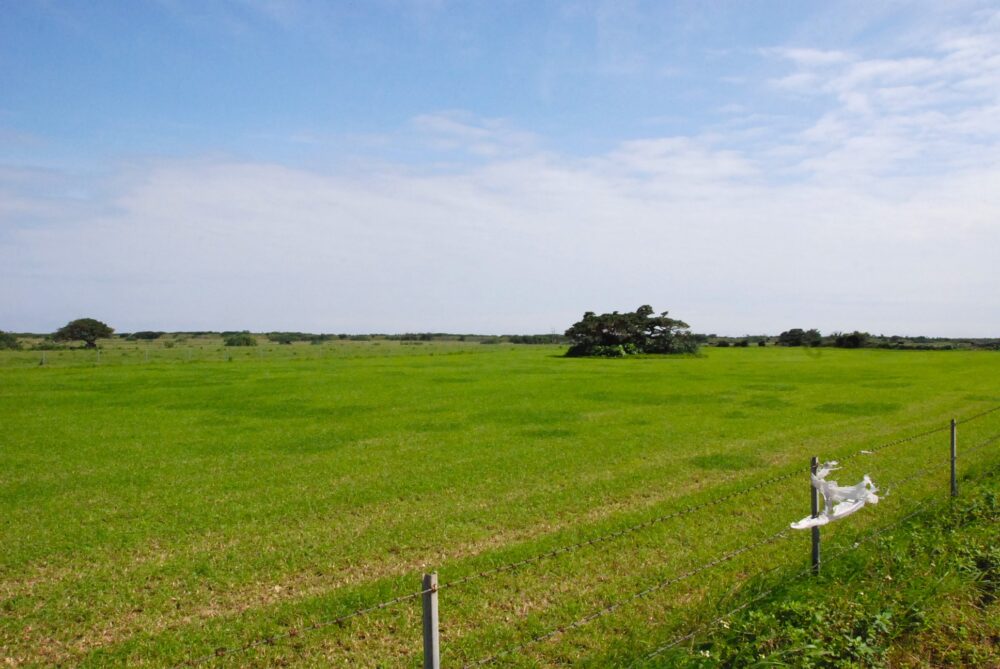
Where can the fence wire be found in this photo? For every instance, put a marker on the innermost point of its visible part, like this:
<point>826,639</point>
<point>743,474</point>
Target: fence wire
<point>721,559</point>
<point>622,532</point>
<point>977,416</point>
<point>921,507</point>
<point>294,632</point>
<point>580,622</point>
<point>977,447</point>
<point>270,640</point>
<point>685,511</point>
<point>946,464</point>
<point>895,442</point>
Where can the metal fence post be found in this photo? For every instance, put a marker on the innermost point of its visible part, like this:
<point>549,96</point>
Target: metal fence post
<point>432,640</point>
<point>813,466</point>
<point>954,457</point>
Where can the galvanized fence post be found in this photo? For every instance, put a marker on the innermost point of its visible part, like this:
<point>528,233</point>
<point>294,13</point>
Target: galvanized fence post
<point>432,640</point>
<point>954,457</point>
<point>813,466</point>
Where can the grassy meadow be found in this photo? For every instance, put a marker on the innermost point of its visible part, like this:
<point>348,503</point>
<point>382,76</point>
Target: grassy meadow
<point>160,503</point>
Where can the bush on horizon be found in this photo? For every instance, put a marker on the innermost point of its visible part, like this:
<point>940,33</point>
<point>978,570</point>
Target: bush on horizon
<point>241,339</point>
<point>854,339</point>
<point>800,337</point>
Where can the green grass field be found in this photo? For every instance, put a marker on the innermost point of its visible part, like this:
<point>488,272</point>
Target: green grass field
<point>161,503</point>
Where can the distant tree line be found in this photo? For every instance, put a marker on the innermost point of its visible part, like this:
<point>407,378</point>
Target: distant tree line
<point>292,337</point>
<point>739,342</point>
<point>537,339</point>
<point>414,336</point>
<point>798,337</point>
<point>615,334</point>
<point>859,339</point>
<point>147,335</point>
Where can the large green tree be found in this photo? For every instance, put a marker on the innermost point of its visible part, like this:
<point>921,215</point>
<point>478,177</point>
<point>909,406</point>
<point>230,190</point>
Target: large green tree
<point>87,330</point>
<point>639,331</point>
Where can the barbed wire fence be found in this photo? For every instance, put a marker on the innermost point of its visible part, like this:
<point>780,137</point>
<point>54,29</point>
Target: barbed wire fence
<point>921,507</point>
<point>720,560</point>
<point>429,594</point>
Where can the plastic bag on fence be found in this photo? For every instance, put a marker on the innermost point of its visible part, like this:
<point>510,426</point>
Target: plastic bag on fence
<point>838,500</point>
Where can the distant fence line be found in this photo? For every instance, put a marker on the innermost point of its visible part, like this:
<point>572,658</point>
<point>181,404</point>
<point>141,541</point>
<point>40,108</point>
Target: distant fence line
<point>430,588</point>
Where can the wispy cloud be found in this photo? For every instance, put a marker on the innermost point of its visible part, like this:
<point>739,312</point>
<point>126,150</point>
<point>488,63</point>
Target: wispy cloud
<point>927,112</point>
<point>806,57</point>
<point>461,131</point>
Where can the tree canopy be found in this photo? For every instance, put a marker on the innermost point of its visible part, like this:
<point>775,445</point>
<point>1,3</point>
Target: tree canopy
<point>854,339</point>
<point>87,330</point>
<point>639,331</point>
<point>800,337</point>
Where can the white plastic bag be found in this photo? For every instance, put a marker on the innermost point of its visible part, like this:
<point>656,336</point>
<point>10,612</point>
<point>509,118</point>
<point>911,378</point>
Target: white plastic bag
<point>838,501</point>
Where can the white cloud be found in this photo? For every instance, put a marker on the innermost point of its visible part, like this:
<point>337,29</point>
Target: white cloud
<point>521,243</point>
<point>811,57</point>
<point>930,109</point>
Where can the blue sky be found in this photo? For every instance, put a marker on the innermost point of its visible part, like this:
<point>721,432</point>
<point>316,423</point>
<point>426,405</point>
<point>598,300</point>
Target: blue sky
<point>500,167</point>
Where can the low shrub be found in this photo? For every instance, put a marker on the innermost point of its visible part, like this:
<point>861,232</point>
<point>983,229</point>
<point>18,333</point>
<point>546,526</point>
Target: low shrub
<point>241,339</point>
<point>48,345</point>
